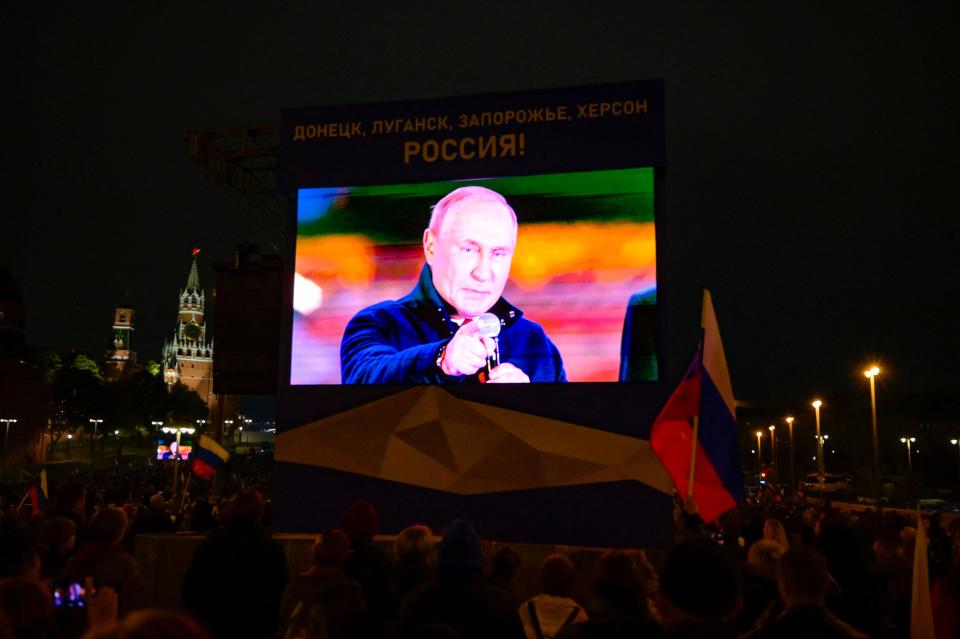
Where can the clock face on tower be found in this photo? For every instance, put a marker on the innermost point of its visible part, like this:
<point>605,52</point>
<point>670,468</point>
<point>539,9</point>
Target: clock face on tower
<point>192,331</point>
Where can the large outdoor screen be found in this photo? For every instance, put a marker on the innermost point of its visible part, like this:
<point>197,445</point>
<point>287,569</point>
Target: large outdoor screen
<point>579,285</point>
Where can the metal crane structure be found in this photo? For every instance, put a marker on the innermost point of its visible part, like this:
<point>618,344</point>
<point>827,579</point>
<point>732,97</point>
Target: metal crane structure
<point>246,161</point>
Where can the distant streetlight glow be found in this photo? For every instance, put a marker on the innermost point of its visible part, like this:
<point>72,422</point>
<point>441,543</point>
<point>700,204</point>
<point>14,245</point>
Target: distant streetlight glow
<point>793,473</point>
<point>759,452</point>
<point>821,468</point>
<point>773,453</point>
<point>6,434</point>
<point>907,441</point>
<point>871,374</point>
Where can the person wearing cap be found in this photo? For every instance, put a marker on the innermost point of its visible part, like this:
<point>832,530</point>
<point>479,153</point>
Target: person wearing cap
<point>439,332</point>
<point>461,602</point>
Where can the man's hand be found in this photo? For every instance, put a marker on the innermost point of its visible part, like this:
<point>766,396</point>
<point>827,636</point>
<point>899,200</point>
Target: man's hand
<point>467,352</point>
<point>507,373</point>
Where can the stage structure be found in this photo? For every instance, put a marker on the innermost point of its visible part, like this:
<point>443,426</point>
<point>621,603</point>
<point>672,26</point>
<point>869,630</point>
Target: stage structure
<point>372,405</point>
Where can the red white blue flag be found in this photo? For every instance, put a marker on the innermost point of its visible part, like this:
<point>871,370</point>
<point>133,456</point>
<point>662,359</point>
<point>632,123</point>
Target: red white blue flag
<point>705,395</point>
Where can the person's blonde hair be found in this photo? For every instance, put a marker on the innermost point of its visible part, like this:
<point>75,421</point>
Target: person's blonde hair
<point>414,540</point>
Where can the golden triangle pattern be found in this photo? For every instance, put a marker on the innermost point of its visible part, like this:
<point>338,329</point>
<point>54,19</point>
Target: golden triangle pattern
<point>426,437</point>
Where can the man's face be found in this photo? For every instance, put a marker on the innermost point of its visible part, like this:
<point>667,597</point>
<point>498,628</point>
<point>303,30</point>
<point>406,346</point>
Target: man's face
<point>470,256</point>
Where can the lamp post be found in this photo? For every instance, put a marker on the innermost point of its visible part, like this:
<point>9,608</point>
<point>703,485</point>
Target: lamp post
<point>93,436</point>
<point>956,442</point>
<point>179,431</point>
<point>907,441</point>
<point>793,474</point>
<point>821,471</point>
<point>871,374</point>
<point>759,456</point>
<point>773,453</point>
<point>6,433</point>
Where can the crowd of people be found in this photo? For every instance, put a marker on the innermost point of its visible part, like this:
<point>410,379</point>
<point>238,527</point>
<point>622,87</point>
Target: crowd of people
<point>776,566</point>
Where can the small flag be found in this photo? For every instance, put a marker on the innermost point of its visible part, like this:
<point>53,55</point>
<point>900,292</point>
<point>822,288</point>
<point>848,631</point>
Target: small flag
<point>921,610</point>
<point>704,394</point>
<point>38,492</point>
<point>208,457</point>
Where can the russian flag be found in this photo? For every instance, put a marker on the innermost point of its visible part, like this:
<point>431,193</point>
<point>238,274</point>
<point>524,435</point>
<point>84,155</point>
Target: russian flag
<point>208,456</point>
<point>702,406</point>
<point>38,492</point>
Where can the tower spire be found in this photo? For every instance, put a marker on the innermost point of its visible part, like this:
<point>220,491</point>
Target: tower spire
<point>193,281</point>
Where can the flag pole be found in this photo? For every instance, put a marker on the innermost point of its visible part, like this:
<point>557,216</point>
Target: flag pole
<point>186,488</point>
<point>693,455</point>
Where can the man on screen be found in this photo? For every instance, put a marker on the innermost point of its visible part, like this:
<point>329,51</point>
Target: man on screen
<point>431,336</point>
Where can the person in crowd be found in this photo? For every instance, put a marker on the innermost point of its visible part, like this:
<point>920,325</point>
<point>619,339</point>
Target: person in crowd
<point>102,558</point>
<point>370,565</point>
<point>619,604</point>
<point>27,609</point>
<point>430,335</point>
<point>893,572</point>
<point>699,591</point>
<point>803,584</point>
<point>56,542</point>
<point>852,596</point>
<point>414,567</point>
<point>773,530</point>
<point>760,594</point>
<point>236,578</point>
<point>549,612</point>
<point>156,518</point>
<point>503,571</point>
<point>71,502</point>
<point>323,602</point>
<point>18,554</point>
<point>151,624</point>
<point>460,603</point>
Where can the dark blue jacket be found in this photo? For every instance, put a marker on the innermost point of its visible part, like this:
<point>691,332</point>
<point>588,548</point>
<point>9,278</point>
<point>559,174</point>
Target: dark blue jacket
<point>398,342</point>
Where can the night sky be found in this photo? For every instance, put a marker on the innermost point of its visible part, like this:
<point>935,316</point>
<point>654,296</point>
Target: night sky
<point>811,179</point>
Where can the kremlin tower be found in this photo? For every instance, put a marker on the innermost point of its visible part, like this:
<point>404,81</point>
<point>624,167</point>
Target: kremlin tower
<point>188,358</point>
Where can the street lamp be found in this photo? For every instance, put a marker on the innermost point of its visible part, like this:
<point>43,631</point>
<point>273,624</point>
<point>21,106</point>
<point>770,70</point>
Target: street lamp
<point>773,453</point>
<point>759,455</point>
<point>793,474</point>
<point>871,374</point>
<point>956,442</point>
<point>95,422</point>
<point>156,424</point>
<point>821,471</point>
<point>908,441</point>
<point>6,434</point>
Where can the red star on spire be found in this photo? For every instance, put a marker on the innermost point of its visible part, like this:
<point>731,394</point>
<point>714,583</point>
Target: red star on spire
<point>196,251</point>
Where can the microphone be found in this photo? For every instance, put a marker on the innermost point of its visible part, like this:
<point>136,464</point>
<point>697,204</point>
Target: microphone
<point>489,325</point>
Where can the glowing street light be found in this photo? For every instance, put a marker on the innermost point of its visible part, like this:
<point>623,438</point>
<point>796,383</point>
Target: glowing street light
<point>6,434</point>
<point>773,452</point>
<point>871,374</point>
<point>793,474</point>
<point>821,470</point>
<point>759,454</point>
<point>96,423</point>
<point>956,442</point>
<point>907,441</point>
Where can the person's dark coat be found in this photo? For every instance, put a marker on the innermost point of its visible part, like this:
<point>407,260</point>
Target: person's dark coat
<point>235,581</point>
<point>398,342</point>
